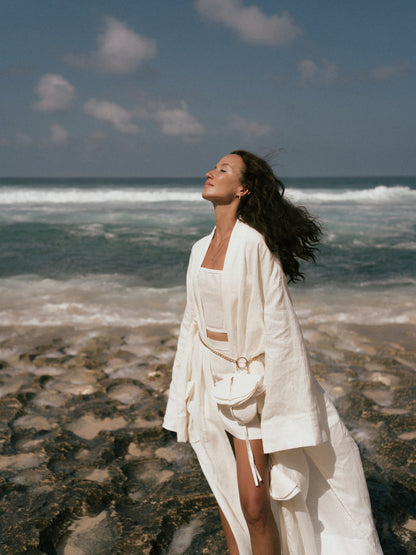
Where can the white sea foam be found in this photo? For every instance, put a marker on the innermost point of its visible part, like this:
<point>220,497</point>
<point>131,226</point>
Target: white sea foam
<point>92,302</point>
<point>29,196</point>
<point>407,246</point>
<point>94,230</point>
<point>376,195</point>
<point>354,306</point>
<point>44,196</point>
<point>396,281</point>
<point>183,536</point>
<point>87,302</point>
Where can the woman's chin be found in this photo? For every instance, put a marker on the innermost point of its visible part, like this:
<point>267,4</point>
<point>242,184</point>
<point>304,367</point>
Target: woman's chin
<point>206,194</point>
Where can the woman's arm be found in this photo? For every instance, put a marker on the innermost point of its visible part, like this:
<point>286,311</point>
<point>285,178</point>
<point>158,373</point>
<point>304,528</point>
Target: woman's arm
<point>175,406</point>
<point>291,415</point>
<point>175,418</point>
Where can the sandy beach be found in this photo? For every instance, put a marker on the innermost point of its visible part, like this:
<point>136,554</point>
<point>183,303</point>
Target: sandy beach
<point>87,469</point>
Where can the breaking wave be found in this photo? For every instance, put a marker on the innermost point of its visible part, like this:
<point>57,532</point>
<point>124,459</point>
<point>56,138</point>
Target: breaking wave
<point>10,196</point>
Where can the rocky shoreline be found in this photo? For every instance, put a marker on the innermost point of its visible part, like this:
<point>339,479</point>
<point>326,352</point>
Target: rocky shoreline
<point>85,467</point>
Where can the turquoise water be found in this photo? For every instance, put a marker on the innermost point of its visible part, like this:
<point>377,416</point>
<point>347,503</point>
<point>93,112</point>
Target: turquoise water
<point>107,251</point>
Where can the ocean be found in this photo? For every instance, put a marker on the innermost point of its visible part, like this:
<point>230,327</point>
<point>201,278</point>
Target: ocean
<point>110,252</point>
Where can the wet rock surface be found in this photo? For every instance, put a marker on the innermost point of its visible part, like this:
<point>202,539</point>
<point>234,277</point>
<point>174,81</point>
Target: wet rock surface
<point>85,467</point>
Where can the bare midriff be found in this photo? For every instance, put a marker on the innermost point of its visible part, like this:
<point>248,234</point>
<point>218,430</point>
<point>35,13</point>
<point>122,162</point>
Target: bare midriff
<point>217,335</point>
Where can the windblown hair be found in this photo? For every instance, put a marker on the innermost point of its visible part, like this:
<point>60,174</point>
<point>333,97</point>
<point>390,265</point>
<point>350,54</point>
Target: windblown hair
<point>290,232</point>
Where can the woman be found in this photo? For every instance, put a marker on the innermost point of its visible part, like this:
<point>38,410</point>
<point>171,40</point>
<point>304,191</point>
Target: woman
<point>285,472</point>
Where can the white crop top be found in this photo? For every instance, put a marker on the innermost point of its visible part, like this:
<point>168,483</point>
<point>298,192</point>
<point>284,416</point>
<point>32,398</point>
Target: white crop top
<point>210,288</point>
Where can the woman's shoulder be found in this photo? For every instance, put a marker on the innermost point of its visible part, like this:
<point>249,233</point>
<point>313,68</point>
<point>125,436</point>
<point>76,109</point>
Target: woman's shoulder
<point>255,246</point>
<point>201,243</point>
<point>252,237</point>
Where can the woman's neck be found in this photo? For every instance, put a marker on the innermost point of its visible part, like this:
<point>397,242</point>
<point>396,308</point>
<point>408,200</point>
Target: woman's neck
<point>224,222</point>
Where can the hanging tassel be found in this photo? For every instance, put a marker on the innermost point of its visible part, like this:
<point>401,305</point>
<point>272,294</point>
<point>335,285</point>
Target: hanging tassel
<point>254,471</point>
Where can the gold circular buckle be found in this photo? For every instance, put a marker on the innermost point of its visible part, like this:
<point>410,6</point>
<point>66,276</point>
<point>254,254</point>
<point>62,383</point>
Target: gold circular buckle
<point>241,363</point>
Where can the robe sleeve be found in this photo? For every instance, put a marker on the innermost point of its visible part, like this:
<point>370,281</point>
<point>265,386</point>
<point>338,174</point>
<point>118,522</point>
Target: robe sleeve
<point>291,414</point>
<point>176,417</point>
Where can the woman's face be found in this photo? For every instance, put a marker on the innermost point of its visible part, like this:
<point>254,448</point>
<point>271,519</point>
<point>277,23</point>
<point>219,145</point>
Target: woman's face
<point>223,185</point>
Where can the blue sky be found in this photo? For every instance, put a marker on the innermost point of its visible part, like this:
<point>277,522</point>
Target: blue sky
<point>166,87</point>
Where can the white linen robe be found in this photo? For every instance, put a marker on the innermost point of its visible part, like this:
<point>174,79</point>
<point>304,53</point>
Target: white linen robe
<point>318,491</point>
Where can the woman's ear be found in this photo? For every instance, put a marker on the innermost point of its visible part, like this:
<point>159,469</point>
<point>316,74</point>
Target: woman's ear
<point>243,193</point>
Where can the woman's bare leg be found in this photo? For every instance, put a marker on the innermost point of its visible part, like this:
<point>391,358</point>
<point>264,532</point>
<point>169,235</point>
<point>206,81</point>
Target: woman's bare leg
<point>255,500</point>
<point>229,536</point>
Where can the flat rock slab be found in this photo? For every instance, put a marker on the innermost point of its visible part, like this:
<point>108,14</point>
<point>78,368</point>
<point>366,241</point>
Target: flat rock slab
<point>85,466</point>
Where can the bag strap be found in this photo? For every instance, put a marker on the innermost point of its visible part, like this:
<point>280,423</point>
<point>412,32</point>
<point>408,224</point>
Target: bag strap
<point>256,474</point>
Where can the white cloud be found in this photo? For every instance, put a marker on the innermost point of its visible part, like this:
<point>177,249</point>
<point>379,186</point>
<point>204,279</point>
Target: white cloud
<point>56,94</point>
<point>112,113</point>
<point>325,73</point>
<point>237,124</point>
<point>59,135</point>
<point>120,50</point>
<point>382,73</point>
<point>178,122</point>
<point>250,23</point>
<point>174,121</point>
<point>23,139</point>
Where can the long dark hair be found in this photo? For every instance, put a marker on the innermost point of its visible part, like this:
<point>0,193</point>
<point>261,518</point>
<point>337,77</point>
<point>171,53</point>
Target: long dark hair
<point>290,232</point>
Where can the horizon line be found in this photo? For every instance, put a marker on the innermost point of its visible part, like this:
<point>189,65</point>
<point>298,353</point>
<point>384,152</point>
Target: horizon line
<point>329,176</point>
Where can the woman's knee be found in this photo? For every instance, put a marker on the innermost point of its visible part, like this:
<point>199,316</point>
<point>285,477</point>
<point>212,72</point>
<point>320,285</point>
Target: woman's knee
<point>256,510</point>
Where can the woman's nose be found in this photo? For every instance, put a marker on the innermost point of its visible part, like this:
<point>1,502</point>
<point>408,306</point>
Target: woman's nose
<point>208,174</point>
